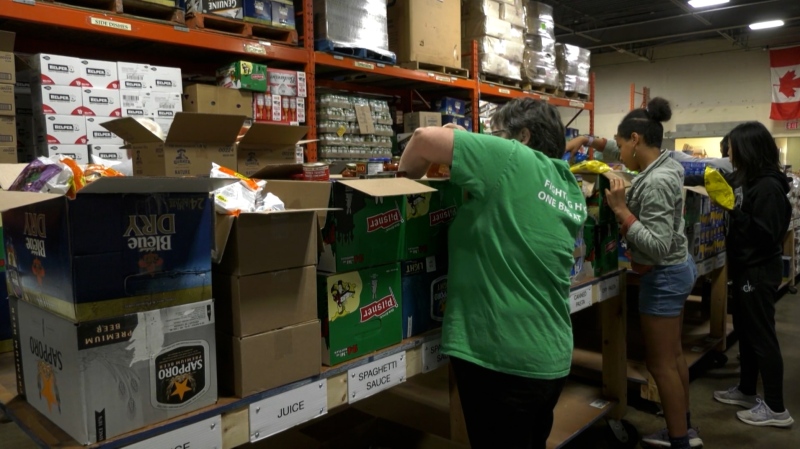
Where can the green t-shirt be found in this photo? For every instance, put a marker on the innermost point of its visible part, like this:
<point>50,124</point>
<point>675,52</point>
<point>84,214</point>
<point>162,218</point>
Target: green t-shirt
<point>511,251</point>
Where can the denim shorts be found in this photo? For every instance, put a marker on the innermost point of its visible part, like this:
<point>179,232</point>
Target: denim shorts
<point>663,291</point>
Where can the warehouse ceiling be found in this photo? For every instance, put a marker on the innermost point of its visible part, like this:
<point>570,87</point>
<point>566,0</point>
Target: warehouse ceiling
<point>638,26</point>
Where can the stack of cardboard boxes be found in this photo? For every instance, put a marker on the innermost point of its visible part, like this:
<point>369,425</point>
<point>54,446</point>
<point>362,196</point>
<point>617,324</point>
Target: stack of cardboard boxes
<point>111,314</point>
<point>278,96</point>
<point>276,13</point>
<point>454,111</point>
<point>8,108</point>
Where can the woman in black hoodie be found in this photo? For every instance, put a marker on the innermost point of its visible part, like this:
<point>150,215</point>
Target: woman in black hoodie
<point>756,228</point>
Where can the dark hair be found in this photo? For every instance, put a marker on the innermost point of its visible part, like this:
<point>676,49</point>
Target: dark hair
<point>754,152</point>
<point>647,122</point>
<point>725,145</point>
<point>541,119</point>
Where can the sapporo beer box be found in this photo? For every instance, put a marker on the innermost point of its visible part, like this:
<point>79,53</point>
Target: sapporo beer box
<point>102,378</point>
<point>428,218</point>
<point>122,245</point>
<point>361,312</point>
<point>424,293</point>
<point>368,227</point>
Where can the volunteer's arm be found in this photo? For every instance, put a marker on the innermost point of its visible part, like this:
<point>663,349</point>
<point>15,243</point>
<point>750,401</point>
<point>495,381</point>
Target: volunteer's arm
<point>608,147</point>
<point>427,146</point>
<point>651,231</point>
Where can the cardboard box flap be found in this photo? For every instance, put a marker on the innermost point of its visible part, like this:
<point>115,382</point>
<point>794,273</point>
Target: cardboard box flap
<point>9,173</point>
<point>222,229</point>
<point>278,171</point>
<point>697,189</point>
<point>191,127</point>
<point>7,41</point>
<point>265,136</point>
<point>12,200</point>
<point>155,185</point>
<point>133,130</point>
<point>388,187</point>
<point>301,194</point>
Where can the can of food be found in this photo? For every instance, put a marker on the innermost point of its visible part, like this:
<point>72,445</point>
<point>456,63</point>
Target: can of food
<point>375,166</point>
<point>316,171</point>
<point>361,168</point>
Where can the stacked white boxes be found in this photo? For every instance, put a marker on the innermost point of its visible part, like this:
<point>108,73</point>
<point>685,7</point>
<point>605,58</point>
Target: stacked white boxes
<point>498,27</point>
<point>574,64</point>
<point>539,65</point>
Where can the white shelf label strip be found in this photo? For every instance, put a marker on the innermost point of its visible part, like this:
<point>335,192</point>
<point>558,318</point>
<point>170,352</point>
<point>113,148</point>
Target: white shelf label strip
<point>372,378</point>
<point>609,288</point>
<point>286,410</point>
<point>432,357</point>
<point>205,434</point>
<point>580,299</point>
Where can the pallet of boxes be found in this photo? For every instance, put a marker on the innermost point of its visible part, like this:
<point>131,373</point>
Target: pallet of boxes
<point>539,68</point>
<point>499,29</point>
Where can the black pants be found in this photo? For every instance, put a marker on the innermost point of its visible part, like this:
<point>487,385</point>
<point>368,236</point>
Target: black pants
<point>505,411</point>
<point>755,290</point>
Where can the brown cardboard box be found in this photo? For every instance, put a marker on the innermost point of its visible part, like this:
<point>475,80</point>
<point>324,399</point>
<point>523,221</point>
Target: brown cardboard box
<point>426,31</point>
<point>272,359</point>
<point>217,100</point>
<point>7,69</point>
<point>8,131</point>
<point>7,100</point>
<point>249,305</point>
<point>269,144</point>
<point>8,155</point>
<point>193,143</point>
<point>414,120</point>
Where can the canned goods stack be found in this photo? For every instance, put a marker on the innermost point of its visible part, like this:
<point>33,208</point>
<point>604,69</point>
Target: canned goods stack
<point>344,137</point>
<point>539,64</point>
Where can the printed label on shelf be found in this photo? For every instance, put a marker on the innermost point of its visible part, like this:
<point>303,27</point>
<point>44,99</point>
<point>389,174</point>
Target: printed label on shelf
<point>544,98</point>
<point>444,79</point>
<point>576,104</point>
<point>286,410</point>
<point>609,288</point>
<point>599,403</point>
<point>364,65</point>
<point>432,357</point>
<point>256,49</point>
<point>504,91</point>
<point>110,24</point>
<point>372,378</point>
<point>720,261</point>
<point>580,299</point>
<point>205,434</point>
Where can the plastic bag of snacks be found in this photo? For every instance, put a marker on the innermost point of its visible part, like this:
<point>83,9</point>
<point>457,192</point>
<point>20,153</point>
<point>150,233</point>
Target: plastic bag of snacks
<point>597,167</point>
<point>247,195</point>
<point>718,189</point>
<point>49,176</point>
<point>93,172</point>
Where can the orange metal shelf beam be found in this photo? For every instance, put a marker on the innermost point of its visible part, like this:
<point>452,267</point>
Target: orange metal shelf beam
<point>510,93</point>
<point>79,19</point>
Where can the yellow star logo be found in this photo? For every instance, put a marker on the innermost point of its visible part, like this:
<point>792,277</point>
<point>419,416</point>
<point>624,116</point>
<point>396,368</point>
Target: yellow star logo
<point>181,389</point>
<point>48,393</point>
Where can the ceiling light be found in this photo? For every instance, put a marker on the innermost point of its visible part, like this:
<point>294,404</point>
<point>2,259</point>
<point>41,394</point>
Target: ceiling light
<point>704,3</point>
<point>764,25</point>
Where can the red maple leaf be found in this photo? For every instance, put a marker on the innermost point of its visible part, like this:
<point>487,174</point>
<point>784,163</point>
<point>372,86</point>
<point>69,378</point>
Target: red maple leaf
<point>789,83</point>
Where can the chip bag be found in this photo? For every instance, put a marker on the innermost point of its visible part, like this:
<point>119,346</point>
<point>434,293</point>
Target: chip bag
<point>597,167</point>
<point>718,189</point>
<point>242,196</point>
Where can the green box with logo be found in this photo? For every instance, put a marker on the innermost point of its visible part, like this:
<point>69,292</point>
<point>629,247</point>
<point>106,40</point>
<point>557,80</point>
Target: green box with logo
<point>367,229</point>
<point>243,75</point>
<point>360,311</point>
<point>428,218</point>
<point>602,243</point>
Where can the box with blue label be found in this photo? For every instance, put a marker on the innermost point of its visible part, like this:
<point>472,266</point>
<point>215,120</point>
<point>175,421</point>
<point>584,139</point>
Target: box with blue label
<point>424,284</point>
<point>258,11</point>
<point>451,106</point>
<point>464,122</point>
<point>123,245</point>
<point>283,14</point>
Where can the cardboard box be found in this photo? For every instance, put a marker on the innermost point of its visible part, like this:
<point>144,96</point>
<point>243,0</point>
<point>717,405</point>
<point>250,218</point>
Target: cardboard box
<point>7,100</point>
<point>602,250</point>
<point>594,187</point>
<point>101,103</point>
<point>232,9</point>
<point>367,228</point>
<point>283,82</point>
<point>217,100</point>
<point>361,312</point>
<point>150,248</point>
<point>249,305</point>
<point>8,155</point>
<point>243,75</point>
<point>8,131</point>
<point>100,379</point>
<point>194,141</point>
<point>414,120</point>
<point>258,11</point>
<point>283,14</point>
<point>61,129</point>
<point>164,79</point>
<point>78,153</point>
<point>99,74</point>
<point>426,31</point>
<point>274,241</point>
<point>165,124</point>
<point>428,217</point>
<point>269,360</point>
<point>58,70</point>
<point>58,100</point>
<point>463,122</point>
<point>164,105</point>
<point>7,66</point>
<point>424,294</point>
<point>133,76</point>
<point>451,106</point>
<point>97,135</point>
<point>109,152</point>
<point>268,144</point>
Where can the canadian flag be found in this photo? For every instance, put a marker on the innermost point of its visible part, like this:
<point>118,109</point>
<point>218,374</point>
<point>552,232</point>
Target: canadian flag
<point>785,66</point>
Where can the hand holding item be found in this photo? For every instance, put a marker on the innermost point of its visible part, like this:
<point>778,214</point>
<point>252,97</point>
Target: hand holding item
<point>718,189</point>
<point>576,144</point>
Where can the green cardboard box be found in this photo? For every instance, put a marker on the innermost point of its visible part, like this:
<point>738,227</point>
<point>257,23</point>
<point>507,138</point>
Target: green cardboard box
<point>428,217</point>
<point>361,312</point>
<point>243,75</point>
<point>367,227</point>
<point>602,243</point>
<point>594,189</point>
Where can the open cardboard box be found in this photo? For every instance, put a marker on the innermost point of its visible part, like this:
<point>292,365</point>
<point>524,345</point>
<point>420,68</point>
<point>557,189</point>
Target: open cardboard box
<point>267,144</point>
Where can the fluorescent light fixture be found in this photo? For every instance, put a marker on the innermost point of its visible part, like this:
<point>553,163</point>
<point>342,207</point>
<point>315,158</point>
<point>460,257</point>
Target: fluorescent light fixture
<point>704,3</point>
<point>764,25</point>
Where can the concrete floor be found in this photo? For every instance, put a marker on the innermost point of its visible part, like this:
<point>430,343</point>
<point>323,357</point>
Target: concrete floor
<point>718,425</point>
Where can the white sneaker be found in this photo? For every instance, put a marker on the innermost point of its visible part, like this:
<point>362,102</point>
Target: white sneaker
<point>735,397</point>
<point>762,415</point>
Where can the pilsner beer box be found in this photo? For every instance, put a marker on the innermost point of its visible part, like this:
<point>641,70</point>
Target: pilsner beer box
<point>361,312</point>
<point>594,189</point>
<point>367,229</point>
<point>602,242</point>
<point>103,378</point>
<point>428,218</point>
<point>194,141</point>
<point>123,245</point>
<point>424,294</point>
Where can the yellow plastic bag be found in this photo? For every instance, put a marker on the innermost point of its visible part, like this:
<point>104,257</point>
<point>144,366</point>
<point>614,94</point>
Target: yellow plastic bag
<point>718,189</point>
<point>597,167</point>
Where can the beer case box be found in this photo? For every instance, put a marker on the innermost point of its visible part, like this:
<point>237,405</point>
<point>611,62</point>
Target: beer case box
<point>217,100</point>
<point>57,100</point>
<point>594,189</point>
<point>193,143</point>
<point>7,66</point>
<point>451,106</point>
<point>7,100</point>
<point>258,11</point>
<point>78,153</point>
<point>260,362</point>
<point>426,31</point>
<point>414,120</point>
<point>61,129</point>
<point>102,378</point>
<point>164,79</point>
<point>424,283</point>
<point>428,217</point>
<point>101,103</point>
<point>133,76</point>
<point>602,246</point>
<point>464,122</point>
<point>283,15</point>
<point>366,227</point>
<point>109,152</point>
<point>232,9</point>
<point>268,144</point>
<point>150,248</point>
<point>243,75</point>
<point>283,82</point>
<point>97,135</point>
<point>361,312</point>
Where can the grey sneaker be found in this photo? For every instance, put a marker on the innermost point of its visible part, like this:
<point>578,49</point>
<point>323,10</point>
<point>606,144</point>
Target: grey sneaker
<point>694,438</point>
<point>762,415</point>
<point>735,397</point>
<point>661,439</point>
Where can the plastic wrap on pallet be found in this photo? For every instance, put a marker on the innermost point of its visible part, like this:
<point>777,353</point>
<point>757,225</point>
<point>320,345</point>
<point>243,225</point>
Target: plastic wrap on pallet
<point>486,26</point>
<point>514,14</point>
<point>353,24</point>
<point>513,51</point>
<point>540,27</point>
<point>539,68</point>
<point>540,43</point>
<point>539,10</point>
<point>473,9</point>
<point>573,65</point>
<point>496,65</point>
<point>579,84</point>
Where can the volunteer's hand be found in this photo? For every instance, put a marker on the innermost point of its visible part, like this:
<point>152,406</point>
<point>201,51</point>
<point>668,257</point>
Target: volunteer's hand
<point>454,126</point>
<point>616,198</point>
<point>575,144</point>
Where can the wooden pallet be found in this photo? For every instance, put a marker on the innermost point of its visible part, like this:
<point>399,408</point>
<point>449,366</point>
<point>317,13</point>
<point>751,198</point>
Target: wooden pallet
<point>444,70</point>
<point>539,88</point>
<point>575,95</point>
<point>163,10</point>
<point>501,81</point>
<point>241,28</point>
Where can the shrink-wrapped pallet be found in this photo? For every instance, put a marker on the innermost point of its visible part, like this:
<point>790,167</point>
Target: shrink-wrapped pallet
<point>498,27</point>
<point>539,65</point>
<point>356,24</point>
<point>574,65</point>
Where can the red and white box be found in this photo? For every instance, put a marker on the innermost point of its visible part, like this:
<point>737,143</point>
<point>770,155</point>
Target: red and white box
<point>101,103</point>
<point>65,129</point>
<point>58,70</point>
<point>302,88</point>
<point>97,135</point>
<point>78,153</point>
<point>133,76</point>
<point>283,82</point>
<point>301,110</point>
<point>164,79</point>
<point>277,104</point>
<point>59,100</point>
<point>99,74</point>
<point>109,152</point>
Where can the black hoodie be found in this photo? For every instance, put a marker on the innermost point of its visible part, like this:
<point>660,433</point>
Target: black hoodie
<point>759,222</point>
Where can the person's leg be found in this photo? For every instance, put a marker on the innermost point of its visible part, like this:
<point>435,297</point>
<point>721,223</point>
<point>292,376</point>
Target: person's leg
<point>543,421</point>
<point>683,370</point>
<point>748,373</point>
<point>478,405</point>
